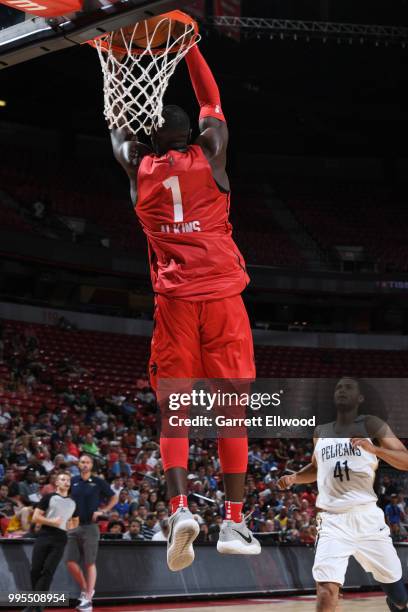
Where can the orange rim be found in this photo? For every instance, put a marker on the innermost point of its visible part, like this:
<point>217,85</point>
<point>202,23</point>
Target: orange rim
<point>173,15</point>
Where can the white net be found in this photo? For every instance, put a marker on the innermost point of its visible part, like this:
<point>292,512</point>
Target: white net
<point>136,78</point>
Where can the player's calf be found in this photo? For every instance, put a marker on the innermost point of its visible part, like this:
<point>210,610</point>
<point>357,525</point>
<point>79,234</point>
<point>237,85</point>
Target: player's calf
<point>327,596</point>
<point>397,596</point>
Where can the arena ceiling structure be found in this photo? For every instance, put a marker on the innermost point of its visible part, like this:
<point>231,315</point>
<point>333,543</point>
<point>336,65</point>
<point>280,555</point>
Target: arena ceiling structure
<point>37,36</point>
<point>312,75</point>
<point>24,36</point>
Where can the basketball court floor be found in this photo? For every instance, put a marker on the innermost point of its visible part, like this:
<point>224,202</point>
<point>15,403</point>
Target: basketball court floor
<point>350,603</point>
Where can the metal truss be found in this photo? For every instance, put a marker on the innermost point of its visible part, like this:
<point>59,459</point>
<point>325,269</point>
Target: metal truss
<point>320,29</point>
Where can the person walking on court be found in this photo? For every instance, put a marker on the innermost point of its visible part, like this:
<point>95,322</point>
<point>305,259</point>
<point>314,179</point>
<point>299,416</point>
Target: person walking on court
<point>56,514</point>
<point>350,523</point>
<point>87,491</point>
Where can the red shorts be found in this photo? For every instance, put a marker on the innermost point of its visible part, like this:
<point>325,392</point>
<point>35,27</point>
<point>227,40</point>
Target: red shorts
<point>201,340</point>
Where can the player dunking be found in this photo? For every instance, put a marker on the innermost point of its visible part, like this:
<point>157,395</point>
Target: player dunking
<point>181,194</point>
<point>344,464</point>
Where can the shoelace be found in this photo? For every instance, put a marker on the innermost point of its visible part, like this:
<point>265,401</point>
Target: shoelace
<point>247,516</point>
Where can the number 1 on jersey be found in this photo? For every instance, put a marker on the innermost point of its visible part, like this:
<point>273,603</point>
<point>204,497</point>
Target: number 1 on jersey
<point>173,183</point>
<point>338,472</point>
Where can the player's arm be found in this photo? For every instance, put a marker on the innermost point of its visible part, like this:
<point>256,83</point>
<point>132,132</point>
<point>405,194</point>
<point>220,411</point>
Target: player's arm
<point>306,475</point>
<point>128,151</point>
<point>389,448</point>
<point>213,128</point>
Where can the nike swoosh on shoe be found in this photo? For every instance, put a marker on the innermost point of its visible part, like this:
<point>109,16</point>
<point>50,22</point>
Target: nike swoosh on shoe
<point>247,539</point>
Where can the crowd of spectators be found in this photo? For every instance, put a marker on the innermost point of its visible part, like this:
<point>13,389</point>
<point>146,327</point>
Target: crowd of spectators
<point>120,433</point>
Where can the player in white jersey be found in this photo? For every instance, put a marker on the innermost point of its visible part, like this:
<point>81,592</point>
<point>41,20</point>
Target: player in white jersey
<point>344,464</point>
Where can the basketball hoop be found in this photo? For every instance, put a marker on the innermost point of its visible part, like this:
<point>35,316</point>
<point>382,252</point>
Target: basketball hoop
<point>137,63</point>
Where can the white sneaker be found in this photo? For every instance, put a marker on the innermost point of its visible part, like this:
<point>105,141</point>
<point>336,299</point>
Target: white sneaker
<point>85,604</point>
<point>82,598</point>
<point>183,530</point>
<point>237,539</point>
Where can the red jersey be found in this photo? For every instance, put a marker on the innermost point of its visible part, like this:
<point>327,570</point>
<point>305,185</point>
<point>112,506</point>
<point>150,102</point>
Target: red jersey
<point>184,215</point>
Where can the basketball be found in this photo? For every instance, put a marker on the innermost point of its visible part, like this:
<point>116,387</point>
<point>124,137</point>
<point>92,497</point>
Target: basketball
<point>155,30</point>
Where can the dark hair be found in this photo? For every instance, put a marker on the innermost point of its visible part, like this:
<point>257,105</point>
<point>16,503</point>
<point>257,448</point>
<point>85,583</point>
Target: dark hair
<point>374,403</point>
<point>86,455</point>
<point>14,489</point>
<point>356,380</point>
<point>175,118</point>
<point>114,523</point>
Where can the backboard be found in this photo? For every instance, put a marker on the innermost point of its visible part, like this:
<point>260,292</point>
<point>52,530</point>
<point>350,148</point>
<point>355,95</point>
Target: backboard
<point>23,38</point>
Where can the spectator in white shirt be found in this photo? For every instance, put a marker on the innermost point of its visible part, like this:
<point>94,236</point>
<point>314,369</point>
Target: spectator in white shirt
<point>162,535</point>
<point>151,459</point>
<point>117,485</point>
<point>133,491</point>
<point>4,416</point>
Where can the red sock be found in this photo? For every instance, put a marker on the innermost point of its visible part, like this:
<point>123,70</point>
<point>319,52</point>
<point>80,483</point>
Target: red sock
<point>179,501</point>
<point>233,511</point>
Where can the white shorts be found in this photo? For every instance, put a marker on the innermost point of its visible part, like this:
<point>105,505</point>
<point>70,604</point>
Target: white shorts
<point>361,532</point>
